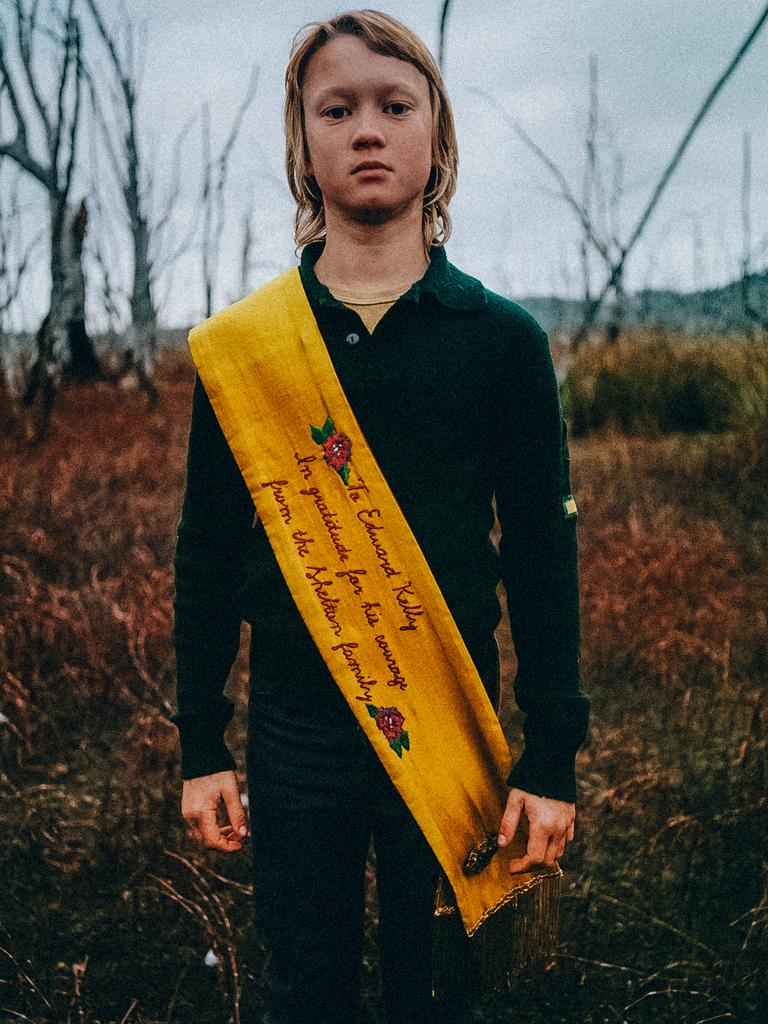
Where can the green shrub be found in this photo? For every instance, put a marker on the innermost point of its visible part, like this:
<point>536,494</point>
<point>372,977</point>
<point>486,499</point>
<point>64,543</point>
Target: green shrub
<point>648,384</point>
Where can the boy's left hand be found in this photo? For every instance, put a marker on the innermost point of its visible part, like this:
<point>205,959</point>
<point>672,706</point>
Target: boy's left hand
<point>550,827</point>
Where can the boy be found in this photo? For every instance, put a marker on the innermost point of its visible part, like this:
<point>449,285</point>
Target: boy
<point>454,390</point>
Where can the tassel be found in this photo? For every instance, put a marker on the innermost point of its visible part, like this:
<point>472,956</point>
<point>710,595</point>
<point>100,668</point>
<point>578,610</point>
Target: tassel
<point>521,932</point>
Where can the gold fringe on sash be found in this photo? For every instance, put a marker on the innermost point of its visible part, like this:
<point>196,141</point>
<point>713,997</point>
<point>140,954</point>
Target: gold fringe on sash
<point>519,932</point>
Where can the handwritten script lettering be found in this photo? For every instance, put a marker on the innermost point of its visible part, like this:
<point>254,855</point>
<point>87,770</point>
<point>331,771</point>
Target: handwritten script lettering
<point>277,490</point>
<point>353,575</point>
<point>371,617</point>
<point>328,603</point>
<point>411,611</point>
<point>303,464</point>
<point>366,685</point>
<point>367,601</point>
<point>397,677</point>
<point>329,521</point>
<point>365,515</point>
<point>302,540</point>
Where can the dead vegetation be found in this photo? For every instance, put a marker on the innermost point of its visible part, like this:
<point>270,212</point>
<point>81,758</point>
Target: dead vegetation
<point>110,914</point>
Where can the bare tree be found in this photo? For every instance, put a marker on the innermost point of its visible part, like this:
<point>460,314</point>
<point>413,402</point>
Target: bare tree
<point>215,171</point>
<point>602,204</point>
<point>15,262</point>
<point>615,262</point>
<point>109,289</point>
<point>63,346</point>
<point>592,183</point>
<point>758,319</point>
<point>126,158</point>
<point>443,28</point>
<point>154,253</point>
<point>250,241</point>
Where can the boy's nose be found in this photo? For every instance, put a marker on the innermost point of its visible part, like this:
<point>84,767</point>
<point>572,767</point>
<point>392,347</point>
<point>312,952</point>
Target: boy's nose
<point>368,126</point>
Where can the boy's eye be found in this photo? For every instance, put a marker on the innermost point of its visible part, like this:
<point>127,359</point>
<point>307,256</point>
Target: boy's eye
<point>332,112</point>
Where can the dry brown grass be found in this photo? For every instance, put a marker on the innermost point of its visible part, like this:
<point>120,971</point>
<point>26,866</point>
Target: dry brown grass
<point>653,383</point>
<point>108,910</point>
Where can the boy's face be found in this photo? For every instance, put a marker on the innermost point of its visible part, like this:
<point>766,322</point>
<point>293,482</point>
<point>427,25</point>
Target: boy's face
<point>362,106</point>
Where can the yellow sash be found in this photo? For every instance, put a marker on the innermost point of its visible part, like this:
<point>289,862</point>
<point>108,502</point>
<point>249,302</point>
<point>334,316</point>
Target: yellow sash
<point>363,586</point>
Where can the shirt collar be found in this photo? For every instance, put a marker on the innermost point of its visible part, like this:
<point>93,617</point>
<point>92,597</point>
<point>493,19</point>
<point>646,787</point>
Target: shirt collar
<point>451,286</point>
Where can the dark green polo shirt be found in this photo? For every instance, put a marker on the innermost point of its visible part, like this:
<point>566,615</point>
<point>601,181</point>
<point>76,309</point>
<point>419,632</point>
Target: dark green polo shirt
<point>456,394</point>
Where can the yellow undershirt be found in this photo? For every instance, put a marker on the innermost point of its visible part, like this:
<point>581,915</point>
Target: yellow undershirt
<point>369,310</point>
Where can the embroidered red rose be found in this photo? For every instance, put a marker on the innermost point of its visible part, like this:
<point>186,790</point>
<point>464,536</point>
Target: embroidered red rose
<point>337,449</point>
<point>390,722</point>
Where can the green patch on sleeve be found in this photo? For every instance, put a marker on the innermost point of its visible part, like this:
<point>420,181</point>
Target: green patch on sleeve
<point>569,507</point>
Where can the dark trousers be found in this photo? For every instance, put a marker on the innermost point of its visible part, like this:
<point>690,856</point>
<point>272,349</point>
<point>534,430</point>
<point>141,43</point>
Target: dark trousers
<point>318,795</point>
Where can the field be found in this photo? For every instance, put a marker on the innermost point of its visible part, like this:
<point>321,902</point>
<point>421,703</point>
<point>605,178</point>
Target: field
<point>108,908</point>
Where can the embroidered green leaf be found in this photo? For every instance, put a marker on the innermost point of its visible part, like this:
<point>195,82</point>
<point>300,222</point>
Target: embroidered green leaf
<point>372,709</point>
<point>405,741</point>
<point>328,428</point>
<point>344,474</point>
<point>396,747</point>
<point>317,434</point>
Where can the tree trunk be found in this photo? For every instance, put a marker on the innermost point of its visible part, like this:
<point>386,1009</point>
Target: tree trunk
<point>64,350</point>
<point>615,324</point>
<point>141,336</point>
<point>81,364</point>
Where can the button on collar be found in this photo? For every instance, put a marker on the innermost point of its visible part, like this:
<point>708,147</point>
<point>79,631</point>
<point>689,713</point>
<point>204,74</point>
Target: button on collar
<point>353,338</point>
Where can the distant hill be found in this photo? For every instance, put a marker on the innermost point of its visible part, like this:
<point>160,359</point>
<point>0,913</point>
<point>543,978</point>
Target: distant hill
<point>715,309</point>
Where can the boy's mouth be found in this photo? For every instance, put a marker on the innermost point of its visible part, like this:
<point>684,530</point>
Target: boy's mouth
<point>371,165</point>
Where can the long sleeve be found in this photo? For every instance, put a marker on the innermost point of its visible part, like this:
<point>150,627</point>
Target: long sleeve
<point>539,565</point>
<point>217,513</point>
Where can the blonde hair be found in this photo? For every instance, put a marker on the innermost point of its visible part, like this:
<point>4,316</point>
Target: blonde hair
<point>382,34</point>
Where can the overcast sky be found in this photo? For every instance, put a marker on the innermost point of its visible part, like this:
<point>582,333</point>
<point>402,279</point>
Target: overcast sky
<point>657,61</point>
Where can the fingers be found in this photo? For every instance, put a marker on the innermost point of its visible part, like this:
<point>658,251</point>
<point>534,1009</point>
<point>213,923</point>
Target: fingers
<point>228,834</point>
<point>511,819</point>
<point>542,849</point>
<point>548,836</point>
<point>230,793</point>
<point>215,836</point>
<point>559,845</point>
<point>202,800</point>
<point>536,852</point>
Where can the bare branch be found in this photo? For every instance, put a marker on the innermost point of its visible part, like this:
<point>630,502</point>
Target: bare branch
<point>6,81</point>
<point>443,32</point>
<point>664,180</point>
<point>18,152</point>
<point>63,75</point>
<point>11,284</point>
<point>247,99</point>
<point>212,241</point>
<point>617,270</point>
<point>77,64</point>
<point>25,37</point>
<point>174,191</point>
<point>106,132</point>
<point>565,190</point>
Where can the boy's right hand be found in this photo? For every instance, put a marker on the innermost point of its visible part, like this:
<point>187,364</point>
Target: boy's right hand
<point>201,800</point>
